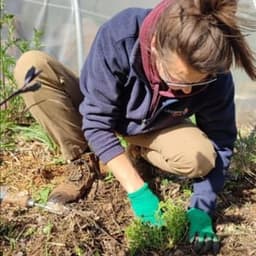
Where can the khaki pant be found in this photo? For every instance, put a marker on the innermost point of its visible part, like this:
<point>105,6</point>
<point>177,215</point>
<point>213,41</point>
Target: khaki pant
<point>182,149</point>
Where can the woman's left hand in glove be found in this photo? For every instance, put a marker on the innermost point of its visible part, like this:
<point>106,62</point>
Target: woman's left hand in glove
<point>201,235</point>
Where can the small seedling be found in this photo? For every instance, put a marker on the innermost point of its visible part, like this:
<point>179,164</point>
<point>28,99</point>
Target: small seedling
<point>47,229</point>
<point>42,195</point>
<point>79,251</point>
<point>123,142</point>
<point>109,177</point>
<point>30,231</point>
<point>187,192</point>
<point>164,182</point>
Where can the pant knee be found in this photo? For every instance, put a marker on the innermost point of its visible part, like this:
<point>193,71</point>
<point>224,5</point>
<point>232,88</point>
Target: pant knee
<point>198,164</point>
<point>25,62</point>
<point>191,165</point>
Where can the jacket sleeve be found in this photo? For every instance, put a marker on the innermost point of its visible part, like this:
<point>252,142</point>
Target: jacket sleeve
<point>217,119</point>
<point>101,80</point>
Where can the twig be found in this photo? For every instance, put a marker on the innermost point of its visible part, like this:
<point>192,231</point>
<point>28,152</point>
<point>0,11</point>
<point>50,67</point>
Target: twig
<point>81,214</point>
<point>56,244</point>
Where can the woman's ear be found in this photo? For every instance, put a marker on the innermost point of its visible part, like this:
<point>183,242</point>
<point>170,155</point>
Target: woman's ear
<point>152,45</point>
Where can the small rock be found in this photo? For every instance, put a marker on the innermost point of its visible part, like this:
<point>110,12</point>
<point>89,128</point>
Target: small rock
<point>19,254</point>
<point>178,253</point>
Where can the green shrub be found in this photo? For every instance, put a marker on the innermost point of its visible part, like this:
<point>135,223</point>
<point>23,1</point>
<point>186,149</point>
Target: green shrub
<point>174,217</point>
<point>143,236</point>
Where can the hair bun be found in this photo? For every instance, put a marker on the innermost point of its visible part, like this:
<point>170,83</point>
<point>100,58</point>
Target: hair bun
<point>208,7</point>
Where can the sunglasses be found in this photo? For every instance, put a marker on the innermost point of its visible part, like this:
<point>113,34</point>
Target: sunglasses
<point>172,82</point>
<point>184,85</point>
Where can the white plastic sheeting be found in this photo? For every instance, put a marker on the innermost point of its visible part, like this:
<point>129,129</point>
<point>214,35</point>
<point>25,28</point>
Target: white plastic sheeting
<point>69,26</point>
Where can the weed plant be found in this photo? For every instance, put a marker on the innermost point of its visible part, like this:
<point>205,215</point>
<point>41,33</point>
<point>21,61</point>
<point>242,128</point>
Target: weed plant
<point>11,46</point>
<point>35,132</point>
<point>244,160</point>
<point>143,236</point>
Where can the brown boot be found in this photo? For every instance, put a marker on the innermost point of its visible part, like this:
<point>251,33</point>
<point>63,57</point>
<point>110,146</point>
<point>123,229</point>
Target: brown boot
<point>80,180</point>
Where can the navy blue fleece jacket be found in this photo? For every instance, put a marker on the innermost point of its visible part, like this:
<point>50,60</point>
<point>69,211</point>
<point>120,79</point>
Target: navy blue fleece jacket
<point>118,96</point>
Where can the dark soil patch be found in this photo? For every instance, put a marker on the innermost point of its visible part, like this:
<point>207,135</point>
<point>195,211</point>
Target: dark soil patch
<point>95,225</point>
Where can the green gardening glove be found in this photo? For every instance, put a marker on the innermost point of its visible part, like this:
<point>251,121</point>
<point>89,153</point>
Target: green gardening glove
<point>145,205</point>
<point>201,233</point>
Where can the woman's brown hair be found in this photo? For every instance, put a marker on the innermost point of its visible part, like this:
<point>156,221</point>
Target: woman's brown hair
<point>206,34</point>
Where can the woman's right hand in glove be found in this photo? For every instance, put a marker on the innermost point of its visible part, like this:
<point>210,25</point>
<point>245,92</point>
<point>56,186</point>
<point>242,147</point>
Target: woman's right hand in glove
<point>145,205</point>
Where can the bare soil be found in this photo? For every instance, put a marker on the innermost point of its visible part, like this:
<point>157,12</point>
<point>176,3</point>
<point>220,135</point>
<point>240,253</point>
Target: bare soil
<point>95,225</point>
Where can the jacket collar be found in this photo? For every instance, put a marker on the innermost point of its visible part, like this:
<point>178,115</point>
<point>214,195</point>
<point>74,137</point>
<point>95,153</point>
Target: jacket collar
<point>136,62</point>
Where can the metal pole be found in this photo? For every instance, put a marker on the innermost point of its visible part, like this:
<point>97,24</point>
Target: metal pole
<point>79,35</point>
